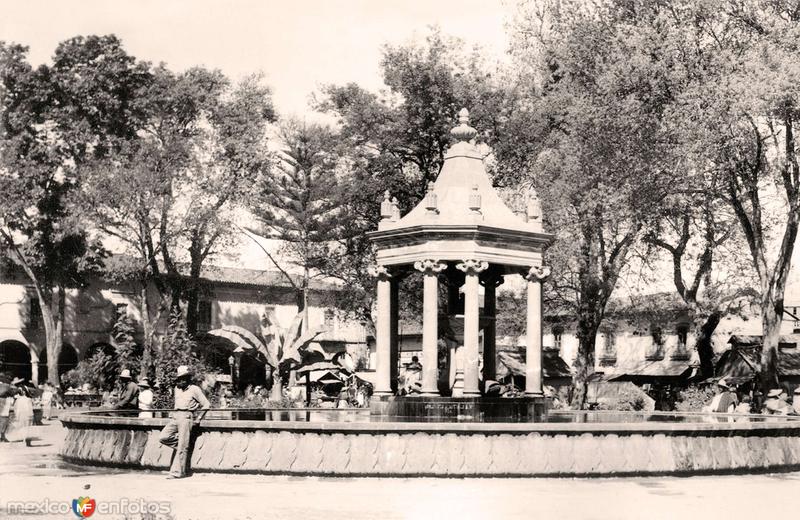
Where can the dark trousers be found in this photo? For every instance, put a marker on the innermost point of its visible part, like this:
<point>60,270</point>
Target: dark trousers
<point>176,435</point>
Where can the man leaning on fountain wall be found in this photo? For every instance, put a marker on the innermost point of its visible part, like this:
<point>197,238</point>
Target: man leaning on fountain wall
<point>177,433</point>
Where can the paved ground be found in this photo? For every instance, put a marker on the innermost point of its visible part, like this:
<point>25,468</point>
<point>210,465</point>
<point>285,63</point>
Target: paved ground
<point>36,475</point>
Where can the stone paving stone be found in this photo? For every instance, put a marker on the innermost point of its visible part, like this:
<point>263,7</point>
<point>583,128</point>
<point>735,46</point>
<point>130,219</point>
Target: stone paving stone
<point>738,450</point>
<point>257,452</point>
<point>448,454</point>
<point>68,448</point>
<point>284,446</point>
<point>421,453</point>
<point>136,447</point>
<point>477,456</point>
<point>585,453</point>
<point>122,446</point>
<point>234,455</point>
<point>335,454</point>
<point>504,455</point>
<point>721,451</point>
<point>363,454</point>
<point>681,451</point>
<point>391,453</point>
<point>756,452</point>
<point>773,453</point>
<point>309,453</point>
<point>700,450</point>
<point>107,445</point>
<point>152,450</point>
<point>531,454</point>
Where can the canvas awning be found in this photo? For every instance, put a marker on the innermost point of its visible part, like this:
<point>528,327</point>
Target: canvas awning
<point>652,371</point>
<point>513,362</point>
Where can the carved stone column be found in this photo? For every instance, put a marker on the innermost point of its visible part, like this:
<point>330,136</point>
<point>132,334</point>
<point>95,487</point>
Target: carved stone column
<point>383,331</point>
<point>472,269</point>
<point>35,372</point>
<point>533,351</point>
<point>430,324</point>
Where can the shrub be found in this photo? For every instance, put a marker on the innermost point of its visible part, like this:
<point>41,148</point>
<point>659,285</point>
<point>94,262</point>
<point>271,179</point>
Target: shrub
<point>693,398</point>
<point>625,401</point>
<point>100,371</point>
<point>177,348</point>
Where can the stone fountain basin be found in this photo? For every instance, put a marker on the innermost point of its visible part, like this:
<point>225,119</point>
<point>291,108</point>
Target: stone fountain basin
<point>351,443</point>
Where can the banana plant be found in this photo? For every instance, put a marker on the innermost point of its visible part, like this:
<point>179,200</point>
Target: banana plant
<point>280,348</point>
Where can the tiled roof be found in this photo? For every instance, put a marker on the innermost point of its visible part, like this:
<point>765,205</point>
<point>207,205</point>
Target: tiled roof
<point>233,275</point>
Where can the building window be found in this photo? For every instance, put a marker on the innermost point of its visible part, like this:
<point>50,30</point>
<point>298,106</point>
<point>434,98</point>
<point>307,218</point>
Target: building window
<point>682,349</point>
<point>204,315</point>
<point>330,318</point>
<point>656,349</point>
<point>34,314</point>
<point>557,332</point>
<point>608,355</point>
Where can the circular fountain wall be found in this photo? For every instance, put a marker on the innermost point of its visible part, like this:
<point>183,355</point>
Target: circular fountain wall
<point>349,443</point>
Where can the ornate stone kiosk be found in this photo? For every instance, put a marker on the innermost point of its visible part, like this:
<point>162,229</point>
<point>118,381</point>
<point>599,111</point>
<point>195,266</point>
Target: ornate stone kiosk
<point>461,235</point>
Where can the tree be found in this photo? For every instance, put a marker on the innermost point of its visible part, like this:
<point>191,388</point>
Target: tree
<point>55,119</point>
<point>396,141</point>
<point>744,109</point>
<point>281,348</point>
<point>168,195</point>
<point>296,202</point>
<point>589,137</point>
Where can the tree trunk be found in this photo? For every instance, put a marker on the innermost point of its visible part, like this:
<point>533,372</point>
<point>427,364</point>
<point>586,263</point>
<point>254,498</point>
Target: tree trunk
<point>584,363</point>
<point>704,344</point>
<point>276,394</point>
<point>771,314</point>
<point>52,319</point>
<point>193,290</point>
<point>147,331</point>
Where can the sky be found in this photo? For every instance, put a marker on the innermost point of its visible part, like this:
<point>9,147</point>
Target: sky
<point>297,44</point>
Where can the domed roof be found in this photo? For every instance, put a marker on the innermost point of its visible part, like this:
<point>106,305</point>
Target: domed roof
<point>462,214</point>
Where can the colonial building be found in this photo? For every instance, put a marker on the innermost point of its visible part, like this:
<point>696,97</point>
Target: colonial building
<point>230,296</point>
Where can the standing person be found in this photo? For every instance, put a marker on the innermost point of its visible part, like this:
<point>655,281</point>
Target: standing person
<point>188,399</point>
<point>47,401</point>
<point>145,399</point>
<point>796,400</point>
<point>129,400</point>
<point>23,414</point>
<point>724,401</point>
<point>776,403</point>
<point>5,412</point>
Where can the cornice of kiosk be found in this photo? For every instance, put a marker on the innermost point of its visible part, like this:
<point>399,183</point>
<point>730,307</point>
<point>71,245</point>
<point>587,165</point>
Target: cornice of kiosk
<point>461,216</point>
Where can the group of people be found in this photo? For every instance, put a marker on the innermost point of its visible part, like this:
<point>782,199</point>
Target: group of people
<point>726,400</point>
<point>21,403</point>
<point>135,396</point>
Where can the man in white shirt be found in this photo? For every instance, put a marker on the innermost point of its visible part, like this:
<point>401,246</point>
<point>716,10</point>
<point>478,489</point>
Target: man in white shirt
<point>176,434</point>
<point>145,399</point>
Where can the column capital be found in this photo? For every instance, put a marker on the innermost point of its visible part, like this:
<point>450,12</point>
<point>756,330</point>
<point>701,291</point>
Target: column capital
<point>473,266</point>
<point>537,273</point>
<point>430,266</point>
<point>380,272</point>
<point>495,280</point>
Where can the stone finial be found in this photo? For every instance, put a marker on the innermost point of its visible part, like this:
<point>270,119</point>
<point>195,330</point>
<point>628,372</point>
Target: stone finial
<point>431,200</point>
<point>386,207</point>
<point>463,132</point>
<point>395,209</point>
<point>475,199</point>
<point>534,209</point>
